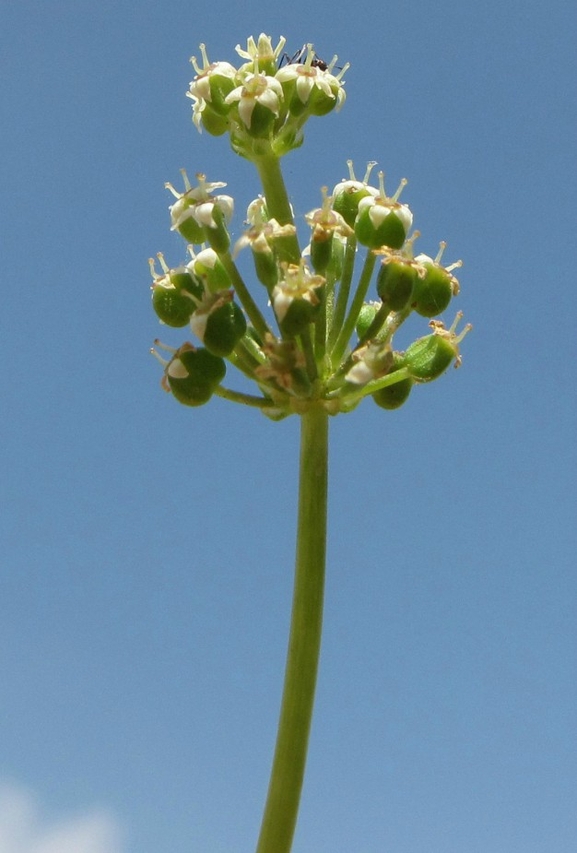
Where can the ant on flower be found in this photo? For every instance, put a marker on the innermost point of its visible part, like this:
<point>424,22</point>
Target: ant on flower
<point>299,59</point>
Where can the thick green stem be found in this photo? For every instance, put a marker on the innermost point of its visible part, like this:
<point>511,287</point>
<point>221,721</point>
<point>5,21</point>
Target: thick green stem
<point>281,809</point>
<point>278,204</point>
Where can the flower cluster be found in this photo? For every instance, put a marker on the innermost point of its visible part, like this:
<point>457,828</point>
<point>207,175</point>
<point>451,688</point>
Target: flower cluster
<point>264,103</point>
<point>325,341</point>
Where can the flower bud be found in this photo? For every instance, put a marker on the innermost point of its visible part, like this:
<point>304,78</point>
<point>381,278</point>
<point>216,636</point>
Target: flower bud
<point>427,358</point>
<point>193,374</point>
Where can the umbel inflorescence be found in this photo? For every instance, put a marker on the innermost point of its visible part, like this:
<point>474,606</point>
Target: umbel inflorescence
<point>324,338</point>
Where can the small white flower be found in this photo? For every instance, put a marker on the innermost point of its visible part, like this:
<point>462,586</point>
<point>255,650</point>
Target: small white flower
<point>256,89</point>
<point>204,212</point>
<point>379,208</point>
<point>261,50</point>
<point>260,239</point>
<point>325,221</point>
<point>198,203</point>
<point>297,283</point>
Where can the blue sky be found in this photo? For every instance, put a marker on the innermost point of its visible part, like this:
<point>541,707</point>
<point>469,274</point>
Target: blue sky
<point>147,548</point>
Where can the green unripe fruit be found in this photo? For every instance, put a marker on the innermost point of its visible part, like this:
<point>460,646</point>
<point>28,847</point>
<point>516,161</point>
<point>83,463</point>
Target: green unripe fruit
<point>433,292</point>
<point>172,307</point>
<point>346,198</point>
<point>220,86</point>
<point>321,253</point>
<point>389,232</point>
<point>266,268</point>
<point>393,396</point>
<point>261,120</point>
<point>191,230</point>
<point>395,283</point>
<point>218,237</point>
<point>225,326</point>
<point>184,281</point>
<point>208,266</point>
<point>296,107</point>
<point>194,374</point>
<point>335,267</point>
<point>172,299</point>
<point>429,357</point>
<point>320,103</point>
<point>213,122</point>
<point>297,317</point>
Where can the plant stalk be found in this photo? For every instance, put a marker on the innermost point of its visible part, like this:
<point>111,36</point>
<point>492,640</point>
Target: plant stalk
<point>278,205</point>
<point>281,808</point>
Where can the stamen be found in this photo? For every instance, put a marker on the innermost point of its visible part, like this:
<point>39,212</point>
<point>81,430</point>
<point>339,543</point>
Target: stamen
<point>187,185</point>
<point>370,166</point>
<point>158,357</point>
<point>165,347</point>
<point>168,186</point>
<point>163,263</point>
<point>442,247</point>
<point>402,185</point>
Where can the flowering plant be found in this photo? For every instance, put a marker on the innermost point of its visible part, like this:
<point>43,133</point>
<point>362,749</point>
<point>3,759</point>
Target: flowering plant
<point>322,348</point>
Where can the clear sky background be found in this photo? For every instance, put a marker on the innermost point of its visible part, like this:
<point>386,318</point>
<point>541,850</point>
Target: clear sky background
<point>147,549</point>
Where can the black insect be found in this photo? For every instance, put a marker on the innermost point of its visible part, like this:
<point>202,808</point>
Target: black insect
<point>300,57</point>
